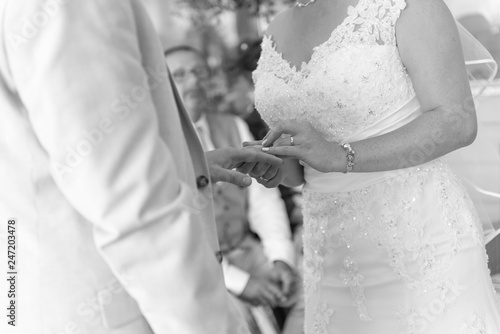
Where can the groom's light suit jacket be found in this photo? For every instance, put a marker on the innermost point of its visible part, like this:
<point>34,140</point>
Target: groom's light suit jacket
<point>99,165</point>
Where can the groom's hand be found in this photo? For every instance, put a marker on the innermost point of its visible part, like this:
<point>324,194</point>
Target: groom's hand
<point>267,175</point>
<point>222,163</point>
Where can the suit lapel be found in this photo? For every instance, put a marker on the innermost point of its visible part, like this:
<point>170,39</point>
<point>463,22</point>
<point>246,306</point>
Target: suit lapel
<point>200,166</point>
<point>195,148</point>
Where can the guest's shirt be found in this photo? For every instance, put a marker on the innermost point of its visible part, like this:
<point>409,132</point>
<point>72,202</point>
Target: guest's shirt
<point>266,215</point>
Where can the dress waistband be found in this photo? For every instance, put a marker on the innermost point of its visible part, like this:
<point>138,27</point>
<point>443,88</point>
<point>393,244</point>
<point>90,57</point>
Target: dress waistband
<point>340,182</point>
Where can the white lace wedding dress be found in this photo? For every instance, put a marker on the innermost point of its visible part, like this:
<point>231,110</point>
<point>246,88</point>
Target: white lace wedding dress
<point>384,253</point>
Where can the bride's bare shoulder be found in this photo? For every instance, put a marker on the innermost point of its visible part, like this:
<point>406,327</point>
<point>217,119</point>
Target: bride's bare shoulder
<point>426,8</point>
<point>427,16</point>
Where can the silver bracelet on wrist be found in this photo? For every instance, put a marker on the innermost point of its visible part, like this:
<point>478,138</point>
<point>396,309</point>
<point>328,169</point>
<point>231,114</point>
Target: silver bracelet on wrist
<point>350,157</point>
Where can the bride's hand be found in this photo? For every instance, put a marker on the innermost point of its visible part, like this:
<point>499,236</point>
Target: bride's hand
<point>302,141</point>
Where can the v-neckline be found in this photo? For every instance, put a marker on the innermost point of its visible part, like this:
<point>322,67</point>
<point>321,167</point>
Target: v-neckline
<point>304,65</point>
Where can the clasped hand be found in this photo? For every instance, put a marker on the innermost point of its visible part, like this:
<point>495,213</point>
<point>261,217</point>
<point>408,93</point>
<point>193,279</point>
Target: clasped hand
<point>237,166</point>
<point>307,145</point>
<point>273,288</point>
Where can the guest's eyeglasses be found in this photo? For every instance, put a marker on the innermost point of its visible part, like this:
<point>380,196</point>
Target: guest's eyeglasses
<point>199,72</point>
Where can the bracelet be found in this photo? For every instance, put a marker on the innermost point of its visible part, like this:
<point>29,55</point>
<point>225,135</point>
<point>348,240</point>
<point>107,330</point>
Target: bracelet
<point>350,157</point>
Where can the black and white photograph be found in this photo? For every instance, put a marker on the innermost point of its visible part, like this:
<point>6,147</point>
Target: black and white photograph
<point>250,166</point>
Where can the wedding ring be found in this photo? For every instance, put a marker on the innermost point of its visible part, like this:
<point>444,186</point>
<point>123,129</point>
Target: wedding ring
<point>291,141</point>
<point>264,179</point>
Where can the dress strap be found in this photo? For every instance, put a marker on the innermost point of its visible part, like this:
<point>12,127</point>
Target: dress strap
<point>393,13</point>
<point>375,20</point>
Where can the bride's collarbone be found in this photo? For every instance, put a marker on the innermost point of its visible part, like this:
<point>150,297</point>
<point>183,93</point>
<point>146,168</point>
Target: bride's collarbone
<point>297,45</point>
<point>295,34</point>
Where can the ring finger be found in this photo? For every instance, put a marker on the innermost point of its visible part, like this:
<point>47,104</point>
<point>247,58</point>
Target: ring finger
<point>286,140</point>
<point>270,174</point>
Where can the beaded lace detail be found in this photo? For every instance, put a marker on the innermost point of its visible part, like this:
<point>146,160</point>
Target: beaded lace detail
<point>339,90</point>
<point>353,279</point>
<point>316,235</point>
<point>474,324</point>
<point>322,314</point>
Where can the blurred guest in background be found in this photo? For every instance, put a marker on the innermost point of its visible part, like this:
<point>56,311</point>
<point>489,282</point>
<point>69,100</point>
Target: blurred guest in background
<point>262,273</point>
<point>241,95</point>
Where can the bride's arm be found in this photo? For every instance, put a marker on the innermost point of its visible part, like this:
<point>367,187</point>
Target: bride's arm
<point>429,46</point>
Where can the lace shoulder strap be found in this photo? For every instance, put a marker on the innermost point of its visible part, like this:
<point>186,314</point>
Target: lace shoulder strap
<point>270,61</point>
<point>375,20</point>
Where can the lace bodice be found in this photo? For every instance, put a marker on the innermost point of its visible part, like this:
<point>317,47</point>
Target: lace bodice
<point>352,80</point>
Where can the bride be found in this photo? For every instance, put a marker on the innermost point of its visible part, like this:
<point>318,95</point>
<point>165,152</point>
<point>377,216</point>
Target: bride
<point>364,97</point>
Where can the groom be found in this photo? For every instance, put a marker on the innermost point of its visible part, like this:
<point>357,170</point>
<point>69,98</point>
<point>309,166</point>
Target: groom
<point>102,178</point>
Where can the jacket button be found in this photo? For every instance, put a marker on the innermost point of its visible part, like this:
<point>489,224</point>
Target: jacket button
<point>202,181</point>
<point>218,255</point>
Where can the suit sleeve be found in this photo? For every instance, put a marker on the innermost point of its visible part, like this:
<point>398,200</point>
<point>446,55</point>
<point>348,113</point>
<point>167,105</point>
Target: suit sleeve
<point>81,78</point>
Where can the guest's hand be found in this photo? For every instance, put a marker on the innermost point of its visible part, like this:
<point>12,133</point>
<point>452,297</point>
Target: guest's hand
<point>307,144</point>
<point>221,163</point>
<point>287,279</point>
<point>262,290</point>
<point>268,175</point>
